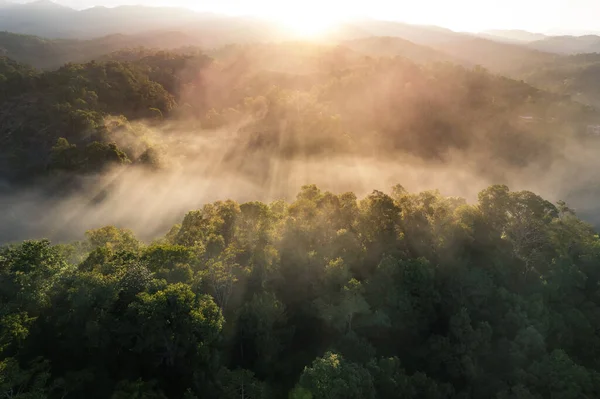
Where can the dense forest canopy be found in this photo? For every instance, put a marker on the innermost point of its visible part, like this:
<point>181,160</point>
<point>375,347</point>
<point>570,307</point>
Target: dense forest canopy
<point>48,115</point>
<point>395,295</point>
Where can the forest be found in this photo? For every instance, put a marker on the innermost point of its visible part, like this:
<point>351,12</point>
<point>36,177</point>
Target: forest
<point>399,295</point>
<point>331,99</point>
<point>225,211</point>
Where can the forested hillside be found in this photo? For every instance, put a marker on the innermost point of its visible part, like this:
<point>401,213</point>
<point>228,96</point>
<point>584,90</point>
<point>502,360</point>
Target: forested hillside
<point>394,46</point>
<point>391,296</point>
<point>57,119</point>
<point>332,98</point>
<point>46,53</point>
<point>576,75</point>
<point>513,35</point>
<point>568,44</point>
<point>504,58</point>
<point>48,19</point>
<point>546,70</point>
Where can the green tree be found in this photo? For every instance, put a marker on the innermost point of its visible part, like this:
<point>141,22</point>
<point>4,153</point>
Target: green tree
<point>240,384</point>
<point>113,238</point>
<point>174,326</point>
<point>332,377</point>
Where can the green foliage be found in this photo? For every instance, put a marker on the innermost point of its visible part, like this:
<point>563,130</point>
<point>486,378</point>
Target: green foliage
<point>136,390</point>
<point>392,381</point>
<point>413,295</point>
<point>288,100</point>
<point>58,117</point>
<point>97,155</point>
<point>240,384</point>
<point>174,324</point>
<point>401,295</point>
<point>113,239</point>
<point>331,377</point>
<point>24,384</point>
<point>574,76</point>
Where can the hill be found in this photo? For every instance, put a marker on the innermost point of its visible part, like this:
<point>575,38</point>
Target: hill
<point>52,53</point>
<point>394,46</point>
<point>50,20</point>
<point>576,75</point>
<point>348,104</point>
<point>43,18</point>
<point>513,35</point>
<point>212,31</point>
<point>45,116</point>
<point>469,51</point>
<point>419,34</point>
<point>504,58</point>
<point>568,44</point>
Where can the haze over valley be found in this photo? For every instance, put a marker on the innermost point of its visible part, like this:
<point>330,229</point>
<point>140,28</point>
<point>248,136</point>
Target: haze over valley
<point>545,118</point>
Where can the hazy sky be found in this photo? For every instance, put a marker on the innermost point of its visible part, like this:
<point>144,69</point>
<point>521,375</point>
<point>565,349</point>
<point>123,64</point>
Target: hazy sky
<point>471,15</point>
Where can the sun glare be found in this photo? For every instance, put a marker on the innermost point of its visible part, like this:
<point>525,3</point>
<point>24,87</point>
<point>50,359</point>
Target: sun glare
<point>314,17</point>
<point>306,19</point>
<point>307,25</point>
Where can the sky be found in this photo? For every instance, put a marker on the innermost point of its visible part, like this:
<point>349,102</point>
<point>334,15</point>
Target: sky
<point>461,15</point>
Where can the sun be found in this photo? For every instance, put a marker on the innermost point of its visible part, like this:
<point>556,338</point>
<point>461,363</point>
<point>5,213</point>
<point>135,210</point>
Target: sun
<point>304,19</point>
<point>307,18</point>
<point>307,25</point>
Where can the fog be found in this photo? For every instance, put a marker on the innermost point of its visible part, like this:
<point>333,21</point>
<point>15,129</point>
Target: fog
<point>269,153</point>
<point>202,166</point>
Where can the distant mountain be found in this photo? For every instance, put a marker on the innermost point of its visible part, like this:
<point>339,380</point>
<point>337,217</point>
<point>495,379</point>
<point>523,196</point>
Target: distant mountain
<point>139,26</point>
<point>344,32</point>
<point>419,34</point>
<point>394,46</point>
<point>498,57</point>
<point>134,19</point>
<point>48,19</point>
<point>568,44</point>
<point>512,35</point>
<point>571,32</point>
<point>431,43</point>
<point>51,53</point>
<point>576,75</point>
<point>44,5</point>
<point>215,32</point>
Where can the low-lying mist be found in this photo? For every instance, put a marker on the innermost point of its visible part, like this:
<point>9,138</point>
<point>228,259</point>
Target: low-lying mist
<point>263,120</point>
<point>201,166</point>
